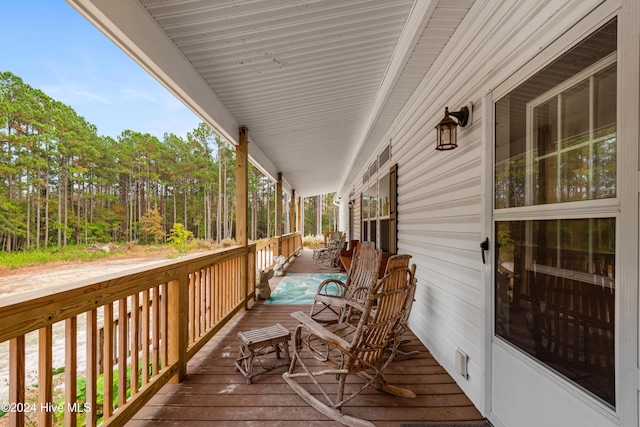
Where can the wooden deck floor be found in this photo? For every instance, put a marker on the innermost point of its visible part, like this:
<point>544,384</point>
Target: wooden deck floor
<point>214,394</point>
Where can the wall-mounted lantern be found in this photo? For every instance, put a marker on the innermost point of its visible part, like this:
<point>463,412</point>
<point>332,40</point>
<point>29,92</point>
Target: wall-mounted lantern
<point>447,138</point>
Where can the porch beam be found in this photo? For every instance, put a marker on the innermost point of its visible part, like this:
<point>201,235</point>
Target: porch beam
<point>242,203</point>
<point>301,215</point>
<point>279,205</point>
<point>292,212</point>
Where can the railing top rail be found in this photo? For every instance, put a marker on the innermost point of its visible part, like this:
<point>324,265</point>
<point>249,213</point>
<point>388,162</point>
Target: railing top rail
<point>23,313</point>
<point>290,234</point>
<point>266,243</point>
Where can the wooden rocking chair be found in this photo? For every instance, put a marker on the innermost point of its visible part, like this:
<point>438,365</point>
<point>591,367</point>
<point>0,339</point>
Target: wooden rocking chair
<point>357,295</point>
<point>330,257</point>
<point>355,305</point>
<point>396,352</point>
<point>350,349</point>
<point>333,294</point>
<point>332,240</point>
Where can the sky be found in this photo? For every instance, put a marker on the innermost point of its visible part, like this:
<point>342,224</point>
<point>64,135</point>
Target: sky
<point>53,48</point>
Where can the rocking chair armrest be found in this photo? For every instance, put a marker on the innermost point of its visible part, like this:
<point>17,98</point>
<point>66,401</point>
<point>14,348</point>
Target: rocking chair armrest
<point>355,304</point>
<point>320,331</point>
<point>334,300</point>
<point>358,293</point>
<point>342,288</point>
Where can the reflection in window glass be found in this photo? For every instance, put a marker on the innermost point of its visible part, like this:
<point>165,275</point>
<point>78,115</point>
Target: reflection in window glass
<point>564,149</point>
<point>383,196</point>
<point>365,205</point>
<point>556,134</point>
<point>373,201</point>
<point>555,296</point>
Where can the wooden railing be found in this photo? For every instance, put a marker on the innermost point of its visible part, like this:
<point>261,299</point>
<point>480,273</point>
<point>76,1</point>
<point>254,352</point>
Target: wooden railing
<point>180,306</point>
<point>290,245</point>
<point>287,246</point>
<point>265,252</point>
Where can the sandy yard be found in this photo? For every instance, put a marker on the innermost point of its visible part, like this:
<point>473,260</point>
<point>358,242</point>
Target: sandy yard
<point>26,279</point>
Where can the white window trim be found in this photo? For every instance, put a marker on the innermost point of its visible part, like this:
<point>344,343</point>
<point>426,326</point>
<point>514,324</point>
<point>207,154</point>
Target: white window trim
<point>581,209</point>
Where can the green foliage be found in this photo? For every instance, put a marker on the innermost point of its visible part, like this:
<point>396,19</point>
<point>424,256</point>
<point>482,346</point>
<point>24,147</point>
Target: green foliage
<point>328,215</point>
<point>181,239</point>
<point>505,242</point>
<point>81,396</point>
<point>40,256</point>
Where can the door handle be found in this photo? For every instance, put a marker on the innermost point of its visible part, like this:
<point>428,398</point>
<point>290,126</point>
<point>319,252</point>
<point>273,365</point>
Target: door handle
<point>484,246</point>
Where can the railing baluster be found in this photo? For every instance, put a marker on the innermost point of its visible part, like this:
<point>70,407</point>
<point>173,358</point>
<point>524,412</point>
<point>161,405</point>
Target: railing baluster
<point>203,302</point>
<point>135,342</point>
<point>45,384</point>
<point>123,347</point>
<point>144,339</point>
<point>214,294</point>
<point>196,306</point>
<point>92,367</point>
<point>70,370</point>
<point>209,298</point>
<point>107,360</point>
<point>237,285</point>
<point>224,290</point>
<point>164,300</point>
<point>192,308</point>
<point>224,273</point>
<point>16,379</point>
<point>155,331</point>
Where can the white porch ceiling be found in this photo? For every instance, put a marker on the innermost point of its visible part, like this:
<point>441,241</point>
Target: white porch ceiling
<point>317,83</point>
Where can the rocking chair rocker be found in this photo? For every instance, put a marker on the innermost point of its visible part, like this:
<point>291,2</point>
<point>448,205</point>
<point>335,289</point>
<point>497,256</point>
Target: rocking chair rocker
<point>349,349</point>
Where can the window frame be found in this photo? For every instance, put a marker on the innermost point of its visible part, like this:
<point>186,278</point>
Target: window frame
<point>580,209</point>
<point>585,75</point>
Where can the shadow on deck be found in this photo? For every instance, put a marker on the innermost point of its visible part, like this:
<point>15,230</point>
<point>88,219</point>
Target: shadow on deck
<point>215,394</point>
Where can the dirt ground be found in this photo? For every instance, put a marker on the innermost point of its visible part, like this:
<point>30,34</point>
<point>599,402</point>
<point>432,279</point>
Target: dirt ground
<point>26,279</point>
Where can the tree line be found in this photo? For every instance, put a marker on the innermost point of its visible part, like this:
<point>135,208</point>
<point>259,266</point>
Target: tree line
<point>61,183</point>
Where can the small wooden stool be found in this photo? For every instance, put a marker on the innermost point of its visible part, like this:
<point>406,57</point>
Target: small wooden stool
<point>260,342</point>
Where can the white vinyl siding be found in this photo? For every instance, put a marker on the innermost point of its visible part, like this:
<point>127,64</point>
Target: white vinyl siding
<point>440,224</point>
<point>356,217</point>
<point>442,196</point>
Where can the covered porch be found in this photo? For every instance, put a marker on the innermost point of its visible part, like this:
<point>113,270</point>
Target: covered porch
<point>176,325</point>
<point>213,393</point>
<point>331,96</point>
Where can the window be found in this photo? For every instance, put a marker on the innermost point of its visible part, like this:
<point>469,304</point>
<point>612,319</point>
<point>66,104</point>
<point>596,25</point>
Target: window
<point>383,196</point>
<point>571,141</point>
<point>555,296</point>
<point>378,219</point>
<point>556,148</point>
<point>373,201</point>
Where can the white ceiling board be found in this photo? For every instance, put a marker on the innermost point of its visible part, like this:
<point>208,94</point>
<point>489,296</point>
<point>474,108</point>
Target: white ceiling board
<point>317,83</point>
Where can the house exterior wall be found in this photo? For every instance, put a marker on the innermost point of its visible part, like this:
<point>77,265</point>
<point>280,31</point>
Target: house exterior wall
<point>442,195</point>
<point>445,198</point>
<point>357,217</point>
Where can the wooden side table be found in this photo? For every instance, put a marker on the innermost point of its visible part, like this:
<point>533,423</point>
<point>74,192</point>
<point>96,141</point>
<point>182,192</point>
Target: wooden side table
<point>257,343</point>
